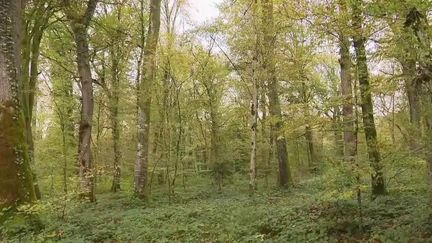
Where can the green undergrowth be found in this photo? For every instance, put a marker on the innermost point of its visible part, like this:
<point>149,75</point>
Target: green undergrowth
<point>305,213</point>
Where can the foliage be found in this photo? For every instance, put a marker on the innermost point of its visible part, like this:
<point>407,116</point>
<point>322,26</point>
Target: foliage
<point>197,213</point>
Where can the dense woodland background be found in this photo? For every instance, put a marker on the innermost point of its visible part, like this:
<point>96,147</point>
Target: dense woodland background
<point>283,121</point>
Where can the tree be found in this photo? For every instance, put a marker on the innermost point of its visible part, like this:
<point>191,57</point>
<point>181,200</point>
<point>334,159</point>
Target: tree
<point>16,180</point>
<point>378,186</point>
<point>36,21</point>
<point>144,99</point>
<point>59,41</point>
<point>79,24</point>
<point>346,77</point>
<point>111,65</point>
<point>269,67</point>
<point>254,127</point>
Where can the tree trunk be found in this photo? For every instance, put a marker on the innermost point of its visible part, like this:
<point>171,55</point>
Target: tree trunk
<point>87,104</point>
<point>114,97</point>
<point>310,147</point>
<point>413,92</point>
<point>338,131</point>
<point>31,53</point>
<point>313,158</point>
<point>79,26</point>
<point>378,186</point>
<point>269,67</point>
<point>349,136</point>
<point>412,89</point>
<point>428,145</point>
<point>116,141</point>
<point>144,99</point>
<point>254,126</point>
<point>214,143</point>
<point>16,180</point>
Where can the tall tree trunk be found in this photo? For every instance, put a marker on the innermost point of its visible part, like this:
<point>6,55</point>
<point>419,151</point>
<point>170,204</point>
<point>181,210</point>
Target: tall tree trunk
<point>35,26</point>
<point>269,67</point>
<point>144,99</point>
<point>16,180</point>
<point>114,97</point>
<point>79,26</point>
<point>87,104</point>
<point>378,186</point>
<point>254,127</point>
<point>116,137</point>
<point>345,62</point>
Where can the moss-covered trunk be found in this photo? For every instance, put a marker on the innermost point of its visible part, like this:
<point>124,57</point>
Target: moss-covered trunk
<point>115,121</point>
<point>378,185</point>
<point>35,24</point>
<point>144,99</point>
<point>16,182</point>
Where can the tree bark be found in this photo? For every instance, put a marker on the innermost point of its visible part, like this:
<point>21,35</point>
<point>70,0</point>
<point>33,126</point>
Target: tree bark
<point>254,126</point>
<point>144,99</point>
<point>378,185</point>
<point>16,180</point>
<point>309,136</point>
<point>313,158</point>
<point>115,123</point>
<point>269,67</point>
<point>79,26</point>
<point>87,104</point>
<point>345,62</point>
<point>114,98</point>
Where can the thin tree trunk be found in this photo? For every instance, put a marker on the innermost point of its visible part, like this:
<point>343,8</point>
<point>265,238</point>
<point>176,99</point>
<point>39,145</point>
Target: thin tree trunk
<point>30,54</point>
<point>144,99</point>
<point>116,143</point>
<point>64,156</point>
<point>115,122</point>
<point>254,126</point>
<point>16,180</point>
<point>338,131</point>
<point>267,141</point>
<point>214,145</point>
<point>63,99</point>
<point>378,186</point>
<point>284,178</point>
<point>311,148</point>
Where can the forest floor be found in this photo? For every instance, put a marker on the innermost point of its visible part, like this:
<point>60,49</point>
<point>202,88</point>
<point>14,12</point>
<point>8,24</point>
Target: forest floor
<point>306,213</point>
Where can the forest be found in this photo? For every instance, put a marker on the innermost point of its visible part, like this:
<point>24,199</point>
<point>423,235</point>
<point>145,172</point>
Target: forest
<point>245,121</point>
